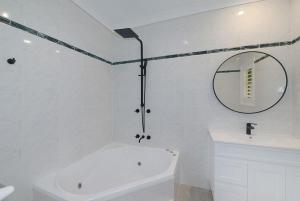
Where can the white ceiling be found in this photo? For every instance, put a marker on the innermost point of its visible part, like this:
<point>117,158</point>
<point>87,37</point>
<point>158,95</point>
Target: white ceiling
<point>133,13</point>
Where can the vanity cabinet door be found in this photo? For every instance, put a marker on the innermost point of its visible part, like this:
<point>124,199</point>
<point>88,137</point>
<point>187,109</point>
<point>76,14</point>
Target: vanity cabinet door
<point>231,171</point>
<point>229,192</point>
<point>293,184</point>
<point>266,182</point>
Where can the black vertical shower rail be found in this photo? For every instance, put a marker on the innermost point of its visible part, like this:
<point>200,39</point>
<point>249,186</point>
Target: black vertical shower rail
<point>129,33</point>
<point>143,67</point>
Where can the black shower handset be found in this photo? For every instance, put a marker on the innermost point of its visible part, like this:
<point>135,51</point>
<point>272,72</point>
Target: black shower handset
<point>143,94</point>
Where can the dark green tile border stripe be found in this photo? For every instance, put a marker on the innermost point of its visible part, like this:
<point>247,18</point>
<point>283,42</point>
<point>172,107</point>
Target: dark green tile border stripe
<point>51,39</point>
<point>247,47</point>
<point>59,42</point>
<point>296,40</point>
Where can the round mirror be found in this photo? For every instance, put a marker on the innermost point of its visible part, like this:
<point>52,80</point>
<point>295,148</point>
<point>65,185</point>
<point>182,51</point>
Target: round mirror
<point>250,82</point>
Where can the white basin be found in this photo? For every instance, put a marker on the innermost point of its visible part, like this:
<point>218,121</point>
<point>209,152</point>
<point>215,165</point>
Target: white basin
<point>6,191</point>
<point>263,140</point>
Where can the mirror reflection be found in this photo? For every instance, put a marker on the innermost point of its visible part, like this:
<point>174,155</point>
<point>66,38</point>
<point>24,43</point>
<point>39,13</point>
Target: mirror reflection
<point>250,82</point>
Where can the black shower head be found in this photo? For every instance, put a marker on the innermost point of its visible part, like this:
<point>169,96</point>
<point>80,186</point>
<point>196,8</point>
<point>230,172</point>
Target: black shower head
<point>127,33</point>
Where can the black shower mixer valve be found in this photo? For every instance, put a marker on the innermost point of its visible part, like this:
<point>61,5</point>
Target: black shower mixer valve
<point>141,137</point>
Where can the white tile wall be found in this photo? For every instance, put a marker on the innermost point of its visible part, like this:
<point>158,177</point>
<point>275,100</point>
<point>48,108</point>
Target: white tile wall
<point>295,5</point>
<point>64,20</point>
<point>184,107</point>
<point>263,22</point>
<point>54,107</point>
<point>296,90</point>
<point>180,91</point>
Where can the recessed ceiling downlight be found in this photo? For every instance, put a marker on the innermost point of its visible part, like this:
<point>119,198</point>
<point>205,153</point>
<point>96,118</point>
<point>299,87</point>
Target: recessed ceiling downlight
<point>27,41</point>
<point>241,12</point>
<point>6,15</point>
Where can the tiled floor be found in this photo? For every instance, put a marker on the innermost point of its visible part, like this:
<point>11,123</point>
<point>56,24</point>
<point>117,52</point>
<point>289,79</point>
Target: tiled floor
<point>189,193</point>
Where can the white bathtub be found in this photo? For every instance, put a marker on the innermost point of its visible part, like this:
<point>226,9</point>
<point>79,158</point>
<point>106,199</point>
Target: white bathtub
<point>117,172</point>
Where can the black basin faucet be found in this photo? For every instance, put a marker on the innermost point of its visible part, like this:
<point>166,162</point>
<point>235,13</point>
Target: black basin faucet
<point>249,128</point>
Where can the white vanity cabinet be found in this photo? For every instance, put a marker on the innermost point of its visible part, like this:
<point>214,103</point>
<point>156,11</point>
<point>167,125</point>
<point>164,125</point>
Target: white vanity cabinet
<point>292,184</point>
<point>266,182</point>
<point>248,172</point>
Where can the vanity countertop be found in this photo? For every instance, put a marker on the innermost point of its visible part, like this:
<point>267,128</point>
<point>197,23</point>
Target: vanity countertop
<point>268,141</point>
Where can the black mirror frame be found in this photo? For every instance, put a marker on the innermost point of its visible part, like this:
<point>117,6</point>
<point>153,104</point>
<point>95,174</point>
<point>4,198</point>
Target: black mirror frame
<point>286,86</point>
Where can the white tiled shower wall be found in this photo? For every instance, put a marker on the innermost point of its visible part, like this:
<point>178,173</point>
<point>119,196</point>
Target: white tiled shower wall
<point>64,20</point>
<point>263,22</point>
<point>57,107</point>
<point>296,63</point>
<point>296,82</point>
<point>55,103</point>
<point>295,5</point>
<point>179,91</point>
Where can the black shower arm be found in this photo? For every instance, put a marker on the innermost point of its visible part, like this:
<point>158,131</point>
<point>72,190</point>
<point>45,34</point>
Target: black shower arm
<point>142,52</point>
<point>142,65</point>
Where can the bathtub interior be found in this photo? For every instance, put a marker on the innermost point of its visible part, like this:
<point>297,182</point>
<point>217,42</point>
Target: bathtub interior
<point>113,171</point>
<point>110,168</point>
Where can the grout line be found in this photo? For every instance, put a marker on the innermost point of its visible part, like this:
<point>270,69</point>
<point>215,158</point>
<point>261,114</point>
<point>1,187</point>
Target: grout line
<point>171,56</point>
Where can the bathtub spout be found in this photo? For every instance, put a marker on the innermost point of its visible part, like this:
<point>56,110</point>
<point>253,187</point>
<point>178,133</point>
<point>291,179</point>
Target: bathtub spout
<point>143,136</point>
